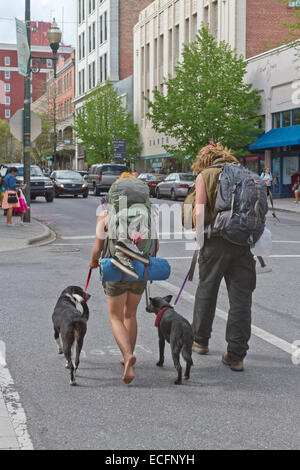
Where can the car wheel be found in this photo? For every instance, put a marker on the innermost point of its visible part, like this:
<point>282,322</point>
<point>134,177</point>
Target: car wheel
<point>173,195</point>
<point>56,194</point>
<point>33,198</point>
<point>75,195</point>
<point>49,197</point>
<point>85,195</point>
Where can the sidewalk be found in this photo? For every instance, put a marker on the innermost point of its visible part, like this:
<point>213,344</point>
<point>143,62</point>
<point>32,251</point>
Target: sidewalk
<point>286,205</point>
<point>18,237</point>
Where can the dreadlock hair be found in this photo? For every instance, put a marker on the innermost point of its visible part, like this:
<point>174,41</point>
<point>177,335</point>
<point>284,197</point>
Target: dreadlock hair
<point>209,154</point>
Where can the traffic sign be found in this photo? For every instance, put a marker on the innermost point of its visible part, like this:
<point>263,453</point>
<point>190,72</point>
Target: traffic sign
<point>120,150</point>
<point>16,125</point>
<point>22,47</point>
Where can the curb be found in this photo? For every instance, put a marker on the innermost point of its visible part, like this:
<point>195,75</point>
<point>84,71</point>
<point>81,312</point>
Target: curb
<point>48,236</point>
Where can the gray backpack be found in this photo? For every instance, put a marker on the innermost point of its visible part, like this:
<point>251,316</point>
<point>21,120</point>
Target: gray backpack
<point>241,205</point>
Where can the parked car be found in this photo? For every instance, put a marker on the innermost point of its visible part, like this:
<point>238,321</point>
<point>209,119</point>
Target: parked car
<point>40,185</point>
<point>152,180</point>
<point>103,175</point>
<point>175,185</point>
<point>69,182</point>
<point>83,173</point>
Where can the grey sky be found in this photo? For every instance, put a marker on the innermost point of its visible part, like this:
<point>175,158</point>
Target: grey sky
<point>41,10</point>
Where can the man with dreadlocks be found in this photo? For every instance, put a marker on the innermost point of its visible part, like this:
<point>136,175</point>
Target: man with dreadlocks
<point>220,259</point>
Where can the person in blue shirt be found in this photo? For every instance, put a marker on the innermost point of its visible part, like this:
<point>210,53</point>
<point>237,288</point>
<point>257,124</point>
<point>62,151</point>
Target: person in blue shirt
<point>10,188</point>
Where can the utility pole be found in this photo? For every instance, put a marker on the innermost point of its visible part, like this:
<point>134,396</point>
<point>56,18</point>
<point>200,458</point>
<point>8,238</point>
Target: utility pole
<point>26,118</point>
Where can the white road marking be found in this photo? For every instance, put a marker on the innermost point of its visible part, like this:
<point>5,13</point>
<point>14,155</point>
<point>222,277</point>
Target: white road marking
<point>13,403</point>
<point>259,332</point>
<point>269,256</point>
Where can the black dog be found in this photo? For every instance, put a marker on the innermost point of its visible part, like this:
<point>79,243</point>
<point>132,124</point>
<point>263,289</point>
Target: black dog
<point>175,329</point>
<point>71,325</point>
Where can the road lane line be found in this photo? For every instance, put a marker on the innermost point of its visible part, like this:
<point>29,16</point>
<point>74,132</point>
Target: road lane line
<point>259,332</point>
<point>13,403</point>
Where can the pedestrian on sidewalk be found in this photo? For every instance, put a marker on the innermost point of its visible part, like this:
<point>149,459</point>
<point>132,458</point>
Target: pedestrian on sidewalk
<point>23,206</point>
<point>220,259</point>
<point>11,193</point>
<point>266,176</point>
<point>122,297</point>
<point>296,189</point>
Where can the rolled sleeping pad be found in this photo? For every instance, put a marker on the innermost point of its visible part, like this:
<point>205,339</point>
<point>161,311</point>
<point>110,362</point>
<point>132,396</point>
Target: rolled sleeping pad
<point>158,270</point>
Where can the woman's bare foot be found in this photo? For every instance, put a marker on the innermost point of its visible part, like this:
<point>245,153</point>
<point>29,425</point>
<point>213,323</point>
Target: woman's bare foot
<point>129,371</point>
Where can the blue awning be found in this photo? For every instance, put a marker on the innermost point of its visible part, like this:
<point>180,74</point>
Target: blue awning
<point>278,138</point>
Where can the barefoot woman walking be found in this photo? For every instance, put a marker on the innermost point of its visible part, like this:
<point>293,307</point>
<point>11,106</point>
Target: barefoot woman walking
<point>123,299</point>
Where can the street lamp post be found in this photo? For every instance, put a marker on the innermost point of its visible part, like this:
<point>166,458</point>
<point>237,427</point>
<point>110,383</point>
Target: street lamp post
<point>54,38</point>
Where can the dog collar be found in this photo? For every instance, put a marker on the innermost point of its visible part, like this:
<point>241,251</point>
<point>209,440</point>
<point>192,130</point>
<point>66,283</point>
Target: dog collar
<point>159,316</point>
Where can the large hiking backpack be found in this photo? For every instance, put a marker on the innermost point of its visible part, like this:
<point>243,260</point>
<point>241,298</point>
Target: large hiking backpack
<point>130,212</point>
<point>241,205</point>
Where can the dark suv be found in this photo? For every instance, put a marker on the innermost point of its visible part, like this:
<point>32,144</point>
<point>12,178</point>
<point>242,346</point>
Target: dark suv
<point>103,175</point>
<point>40,185</point>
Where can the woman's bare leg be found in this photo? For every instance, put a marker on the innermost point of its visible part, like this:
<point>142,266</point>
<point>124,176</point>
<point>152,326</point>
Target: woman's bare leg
<point>116,308</point>
<point>130,322</point>
<point>9,216</point>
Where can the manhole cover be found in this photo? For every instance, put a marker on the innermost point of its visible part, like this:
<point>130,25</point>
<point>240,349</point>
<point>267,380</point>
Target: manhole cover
<point>64,250</point>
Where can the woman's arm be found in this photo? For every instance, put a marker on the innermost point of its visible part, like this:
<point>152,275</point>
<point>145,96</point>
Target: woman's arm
<point>99,240</point>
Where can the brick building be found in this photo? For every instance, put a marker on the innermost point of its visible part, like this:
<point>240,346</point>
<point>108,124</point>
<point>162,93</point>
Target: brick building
<point>264,24</point>
<point>13,82</point>
<point>104,48</point>
<point>60,93</point>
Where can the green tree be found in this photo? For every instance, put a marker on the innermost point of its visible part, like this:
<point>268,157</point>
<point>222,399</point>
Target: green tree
<point>5,138</point>
<point>102,120</point>
<point>207,99</point>
<point>43,145</point>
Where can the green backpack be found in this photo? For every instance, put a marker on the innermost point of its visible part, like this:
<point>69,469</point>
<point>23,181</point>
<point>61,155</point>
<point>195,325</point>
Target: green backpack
<point>130,212</point>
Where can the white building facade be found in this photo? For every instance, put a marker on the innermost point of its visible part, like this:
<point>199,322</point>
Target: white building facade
<point>277,77</point>
<point>159,36</point>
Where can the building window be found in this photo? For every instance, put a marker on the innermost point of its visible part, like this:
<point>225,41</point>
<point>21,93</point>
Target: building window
<point>6,61</point>
<point>7,75</point>
<point>93,74</point>
<point>79,47</point>
<point>276,120</point>
<point>7,87</point>
<point>90,76</point>
<point>90,7</point>
<point>83,45</point>
<point>105,67</point>
<point>7,100</point>
<point>105,26</point>
<point>101,29</point>
<point>49,63</point>
<point>286,118</point>
<point>7,113</point>
<point>101,69</point>
<point>296,117</point>
<point>90,39</point>
<point>94,36</point>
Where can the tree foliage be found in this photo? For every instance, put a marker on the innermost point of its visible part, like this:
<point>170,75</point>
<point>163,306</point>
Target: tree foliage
<point>10,148</point>
<point>102,120</point>
<point>206,99</point>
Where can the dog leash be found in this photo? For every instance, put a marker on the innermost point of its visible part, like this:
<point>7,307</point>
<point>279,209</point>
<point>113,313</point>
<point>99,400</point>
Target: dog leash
<point>87,282</point>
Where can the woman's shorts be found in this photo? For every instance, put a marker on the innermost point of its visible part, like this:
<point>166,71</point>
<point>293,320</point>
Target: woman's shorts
<point>114,289</point>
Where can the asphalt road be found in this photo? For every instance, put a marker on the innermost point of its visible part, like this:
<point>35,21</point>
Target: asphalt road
<point>216,409</point>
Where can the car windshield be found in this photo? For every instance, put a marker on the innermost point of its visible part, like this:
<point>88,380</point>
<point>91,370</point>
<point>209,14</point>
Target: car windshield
<point>187,177</point>
<point>113,170</point>
<point>68,175</point>
<point>34,171</point>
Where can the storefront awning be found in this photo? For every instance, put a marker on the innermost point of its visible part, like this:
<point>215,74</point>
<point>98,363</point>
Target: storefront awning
<point>278,138</point>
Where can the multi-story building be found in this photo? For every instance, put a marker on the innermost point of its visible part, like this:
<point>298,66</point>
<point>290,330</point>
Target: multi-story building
<point>14,82</point>
<point>61,93</point>
<point>275,74</point>
<point>164,26</point>
<point>104,49</point>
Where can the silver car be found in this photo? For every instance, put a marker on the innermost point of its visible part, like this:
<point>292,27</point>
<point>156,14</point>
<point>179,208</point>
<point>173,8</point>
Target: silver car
<point>175,185</point>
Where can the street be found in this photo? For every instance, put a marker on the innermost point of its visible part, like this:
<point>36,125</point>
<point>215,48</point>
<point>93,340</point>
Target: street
<point>216,409</point>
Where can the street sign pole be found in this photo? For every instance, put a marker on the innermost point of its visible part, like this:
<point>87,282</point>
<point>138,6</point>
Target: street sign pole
<point>26,119</point>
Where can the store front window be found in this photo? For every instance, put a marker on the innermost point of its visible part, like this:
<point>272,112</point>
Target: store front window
<point>290,166</point>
